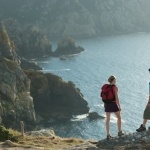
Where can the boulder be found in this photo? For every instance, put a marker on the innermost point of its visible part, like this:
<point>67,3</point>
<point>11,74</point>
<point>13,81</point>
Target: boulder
<point>67,46</point>
<point>42,132</point>
<point>94,115</point>
<point>54,97</point>
<point>9,143</point>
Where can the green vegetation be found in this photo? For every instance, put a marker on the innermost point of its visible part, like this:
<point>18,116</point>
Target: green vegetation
<point>8,134</point>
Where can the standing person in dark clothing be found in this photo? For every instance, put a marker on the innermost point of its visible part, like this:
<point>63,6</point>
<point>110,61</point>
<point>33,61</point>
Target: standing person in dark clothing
<point>146,114</point>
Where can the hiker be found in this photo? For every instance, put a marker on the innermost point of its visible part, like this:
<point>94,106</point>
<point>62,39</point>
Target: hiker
<point>146,116</point>
<point>110,98</point>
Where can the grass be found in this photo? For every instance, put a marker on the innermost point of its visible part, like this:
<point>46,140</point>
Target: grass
<point>43,142</point>
<point>49,143</point>
<point>39,142</point>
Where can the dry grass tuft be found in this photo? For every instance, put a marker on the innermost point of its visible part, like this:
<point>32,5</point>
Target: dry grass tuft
<point>48,142</point>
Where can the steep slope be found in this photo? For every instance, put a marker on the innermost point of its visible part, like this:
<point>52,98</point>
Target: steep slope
<point>80,18</point>
<point>16,104</point>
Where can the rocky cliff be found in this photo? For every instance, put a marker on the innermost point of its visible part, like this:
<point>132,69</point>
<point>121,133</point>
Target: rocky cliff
<point>30,41</point>
<point>25,94</point>
<point>15,101</point>
<point>54,97</point>
<point>80,18</point>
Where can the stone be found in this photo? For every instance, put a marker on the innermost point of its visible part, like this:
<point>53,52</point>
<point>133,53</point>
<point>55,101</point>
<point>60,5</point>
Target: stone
<point>127,141</point>
<point>48,133</point>
<point>94,115</point>
<point>9,143</point>
<point>146,139</point>
<point>67,46</point>
<point>133,140</point>
<point>138,136</point>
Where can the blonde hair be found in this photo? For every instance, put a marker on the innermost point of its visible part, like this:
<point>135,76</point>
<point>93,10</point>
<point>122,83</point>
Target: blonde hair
<point>111,79</point>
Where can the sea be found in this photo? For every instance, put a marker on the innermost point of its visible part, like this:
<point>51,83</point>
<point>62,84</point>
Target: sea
<point>127,57</point>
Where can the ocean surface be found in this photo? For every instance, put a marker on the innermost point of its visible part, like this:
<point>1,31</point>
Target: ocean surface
<point>125,56</point>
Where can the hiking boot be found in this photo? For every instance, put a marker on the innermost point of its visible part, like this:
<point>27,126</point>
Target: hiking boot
<point>120,133</point>
<point>109,137</point>
<point>141,128</point>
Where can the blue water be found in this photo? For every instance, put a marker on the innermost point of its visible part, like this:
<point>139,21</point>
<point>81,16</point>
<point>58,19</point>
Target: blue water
<point>125,56</point>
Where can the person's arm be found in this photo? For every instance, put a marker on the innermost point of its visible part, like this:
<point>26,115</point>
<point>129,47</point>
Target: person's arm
<point>117,98</point>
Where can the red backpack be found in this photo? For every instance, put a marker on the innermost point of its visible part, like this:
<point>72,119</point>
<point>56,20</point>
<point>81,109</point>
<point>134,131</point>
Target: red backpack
<point>107,93</point>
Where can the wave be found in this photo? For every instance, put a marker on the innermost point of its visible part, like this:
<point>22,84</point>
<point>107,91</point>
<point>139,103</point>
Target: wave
<point>99,105</point>
<point>55,70</point>
<point>113,119</point>
<point>44,62</point>
<point>70,55</point>
<point>79,117</point>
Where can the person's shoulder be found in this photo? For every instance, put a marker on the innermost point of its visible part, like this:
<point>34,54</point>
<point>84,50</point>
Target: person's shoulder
<point>115,87</point>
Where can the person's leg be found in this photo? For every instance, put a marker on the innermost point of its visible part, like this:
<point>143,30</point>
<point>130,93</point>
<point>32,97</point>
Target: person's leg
<point>144,121</point>
<point>107,122</point>
<point>118,120</point>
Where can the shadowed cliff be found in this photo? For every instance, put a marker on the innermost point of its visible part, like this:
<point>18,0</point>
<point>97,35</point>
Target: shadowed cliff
<point>54,97</point>
<point>80,18</point>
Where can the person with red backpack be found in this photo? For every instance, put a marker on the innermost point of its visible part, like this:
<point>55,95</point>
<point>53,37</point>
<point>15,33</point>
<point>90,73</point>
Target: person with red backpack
<point>109,95</point>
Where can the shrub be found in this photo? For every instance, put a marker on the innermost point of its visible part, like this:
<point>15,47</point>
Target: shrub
<point>6,134</point>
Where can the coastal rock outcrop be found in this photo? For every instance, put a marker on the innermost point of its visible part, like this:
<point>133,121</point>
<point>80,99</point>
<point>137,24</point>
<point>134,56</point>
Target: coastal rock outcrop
<point>67,46</point>
<point>30,42</point>
<point>15,101</point>
<point>94,115</point>
<point>26,64</point>
<point>54,97</point>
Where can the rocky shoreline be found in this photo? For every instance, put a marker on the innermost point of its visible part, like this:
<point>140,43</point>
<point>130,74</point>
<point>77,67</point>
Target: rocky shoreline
<point>33,96</point>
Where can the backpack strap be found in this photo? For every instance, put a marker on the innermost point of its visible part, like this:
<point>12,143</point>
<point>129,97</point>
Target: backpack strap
<point>113,90</point>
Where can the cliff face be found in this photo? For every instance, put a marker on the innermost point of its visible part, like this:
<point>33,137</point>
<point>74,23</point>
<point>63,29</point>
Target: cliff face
<point>29,41</point>
<point>54,97</point>
<point>15,101</point>
<point>80,18</point>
